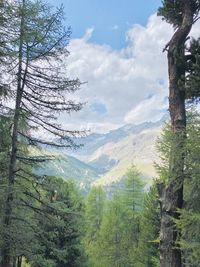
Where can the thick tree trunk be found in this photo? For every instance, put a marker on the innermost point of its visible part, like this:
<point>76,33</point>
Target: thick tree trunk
<point>6,253</point>
<point>172,193</point>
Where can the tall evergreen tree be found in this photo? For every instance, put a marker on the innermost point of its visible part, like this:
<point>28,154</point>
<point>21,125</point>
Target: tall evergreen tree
<point>60,226</point>
<point>182,15</point>
<point>133,200</point>
<point>119,232</point>
<point>148,251</point>
<point>112,250</point>
<point>93,217</point>
<point>35,41</point>
<point>190,215</point>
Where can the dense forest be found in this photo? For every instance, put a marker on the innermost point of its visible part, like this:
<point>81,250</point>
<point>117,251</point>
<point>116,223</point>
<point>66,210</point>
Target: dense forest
<point>48,222</point>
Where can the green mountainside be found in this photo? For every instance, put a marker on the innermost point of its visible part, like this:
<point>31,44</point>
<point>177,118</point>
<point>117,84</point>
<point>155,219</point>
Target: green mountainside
<point>69,168</point>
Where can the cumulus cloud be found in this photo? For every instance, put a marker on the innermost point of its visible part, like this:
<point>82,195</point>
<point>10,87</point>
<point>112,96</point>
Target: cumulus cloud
<point>121,81</point>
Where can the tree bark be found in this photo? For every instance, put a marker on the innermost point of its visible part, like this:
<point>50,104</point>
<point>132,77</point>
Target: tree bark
<point>172,194</point>
<point>6,253</point>
<point>19,261</point>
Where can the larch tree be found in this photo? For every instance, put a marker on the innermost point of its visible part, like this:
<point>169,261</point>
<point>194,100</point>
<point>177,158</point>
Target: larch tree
<point>182,15</point>
<point>93,217</point>
<point>119,233</point>
<point>34,45</point>
<point>189,222</point>
<point>149,230</point>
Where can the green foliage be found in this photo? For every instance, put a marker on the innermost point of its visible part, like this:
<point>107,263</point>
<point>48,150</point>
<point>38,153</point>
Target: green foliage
<point>93,217</point>
<point>172,11</point>
<point>60,226</point>
<point>21,228</point>
<point>32,40</point>
<point>113,250</point>
<point>186,58</point>
<point>193,75</point>
<point>47,213</point>
<point>133,193</point>
<point>113,237</point>
<point>189,223</point>
<point>164,144</point>
<point>94,212</point>
<point>190,215</point>
<point>149,230</point>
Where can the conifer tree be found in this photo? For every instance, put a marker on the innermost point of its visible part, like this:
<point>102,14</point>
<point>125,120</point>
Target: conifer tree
<point>34,42</point>
<point>119,232</point>
<point>112,250</point>
<point>93,217</point>
<point>148,253</point>
<point>189,222</point>
<point>60,226</point>
<point>182,15</point>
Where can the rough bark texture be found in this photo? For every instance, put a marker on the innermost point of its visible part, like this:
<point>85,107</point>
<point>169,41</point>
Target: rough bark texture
<point>172,194</point>
<point>6,253</point>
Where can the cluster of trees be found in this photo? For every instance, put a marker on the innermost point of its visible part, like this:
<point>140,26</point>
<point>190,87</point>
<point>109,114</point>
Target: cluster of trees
<point>123,231</point>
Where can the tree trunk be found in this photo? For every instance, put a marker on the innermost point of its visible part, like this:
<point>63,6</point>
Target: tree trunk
<point>6,253</point>
<point>19,261</point>
<point>172,194</point>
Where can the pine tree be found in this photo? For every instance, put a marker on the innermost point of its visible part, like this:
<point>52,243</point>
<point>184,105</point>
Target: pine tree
<point>60,226</point>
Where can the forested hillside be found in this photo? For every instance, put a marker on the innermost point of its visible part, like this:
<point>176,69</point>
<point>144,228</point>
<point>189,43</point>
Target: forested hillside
<point>128,197</point>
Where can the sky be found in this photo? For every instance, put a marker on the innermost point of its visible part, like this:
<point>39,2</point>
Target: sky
<point>110,18</point>
<point>116,48</point>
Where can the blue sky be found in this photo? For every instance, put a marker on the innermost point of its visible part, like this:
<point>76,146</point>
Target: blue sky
<point>109,18</point>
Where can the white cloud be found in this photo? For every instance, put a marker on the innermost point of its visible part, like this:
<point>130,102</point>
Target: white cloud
<point>114,28</point>
<point>151,109</point>
<point>121,80</point>
<point>88,34</point>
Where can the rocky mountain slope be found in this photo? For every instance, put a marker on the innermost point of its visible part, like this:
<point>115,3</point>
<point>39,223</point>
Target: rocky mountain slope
<point>113,153</point>
<point>105,158</point>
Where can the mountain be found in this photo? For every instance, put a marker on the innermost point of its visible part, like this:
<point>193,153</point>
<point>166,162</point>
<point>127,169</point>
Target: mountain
<point>105,158</point>
<point>94,141</point>
<point>113,153</point>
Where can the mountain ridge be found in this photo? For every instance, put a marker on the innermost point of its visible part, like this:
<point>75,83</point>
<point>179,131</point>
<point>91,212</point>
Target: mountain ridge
<point>105,158</point>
